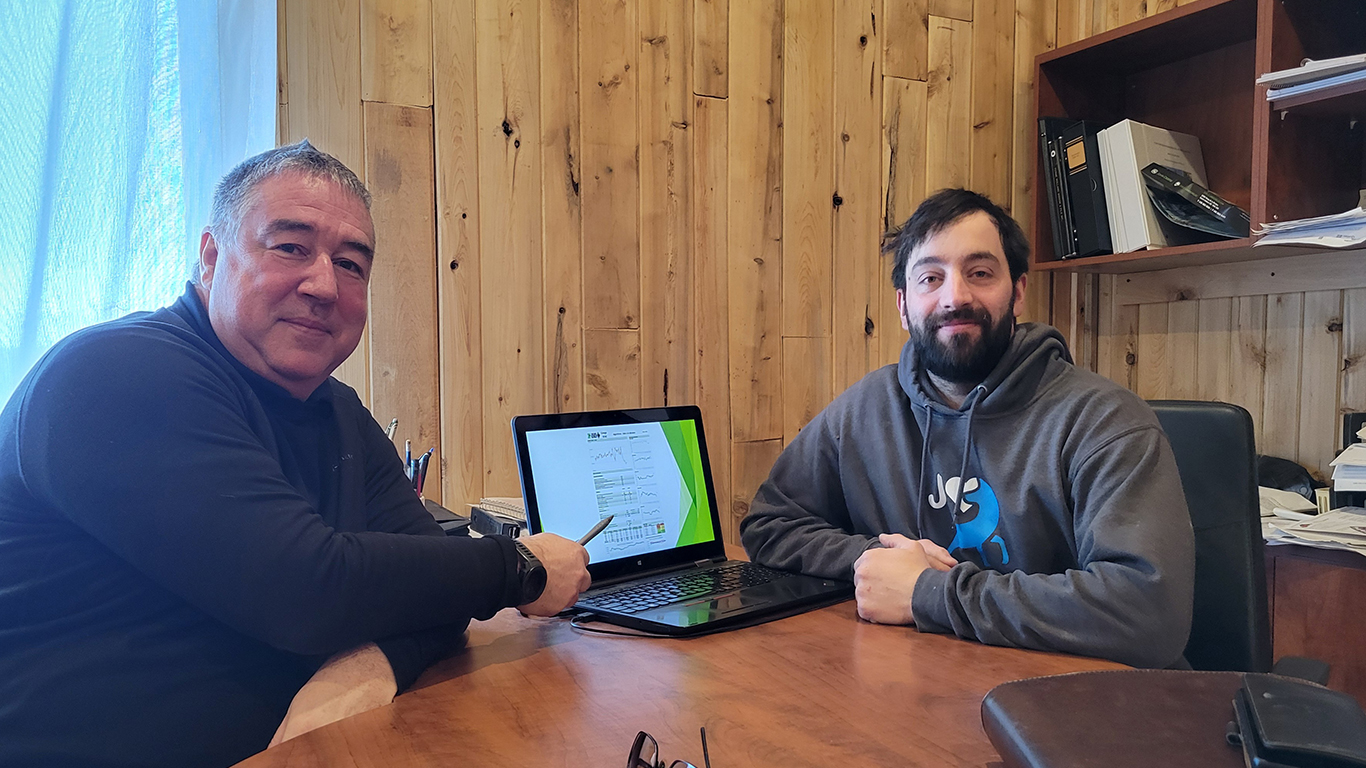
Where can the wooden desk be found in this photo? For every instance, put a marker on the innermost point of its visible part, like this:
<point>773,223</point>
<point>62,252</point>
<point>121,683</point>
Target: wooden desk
<point>819,689</point>
<point>1318,609</point>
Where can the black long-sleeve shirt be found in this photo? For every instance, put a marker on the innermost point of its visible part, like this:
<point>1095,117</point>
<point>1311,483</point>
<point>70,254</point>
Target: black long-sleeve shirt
<point>182,543</point>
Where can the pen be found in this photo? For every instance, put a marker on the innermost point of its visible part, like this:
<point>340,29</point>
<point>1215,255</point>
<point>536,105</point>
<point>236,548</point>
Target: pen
<point>408,458</point>
<point>595,530</point>
<point>393,425</point>
<point>421,473</point>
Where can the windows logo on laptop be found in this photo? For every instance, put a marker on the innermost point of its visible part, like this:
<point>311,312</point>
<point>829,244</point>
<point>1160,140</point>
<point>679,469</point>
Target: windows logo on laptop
<point>660,565</point>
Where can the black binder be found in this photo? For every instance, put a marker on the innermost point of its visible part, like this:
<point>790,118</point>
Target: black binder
<point>1054,181</point>
<point>1086,188</point>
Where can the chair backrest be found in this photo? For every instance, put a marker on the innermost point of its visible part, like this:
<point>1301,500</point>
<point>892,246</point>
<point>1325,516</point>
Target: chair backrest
<point>1216,455</point>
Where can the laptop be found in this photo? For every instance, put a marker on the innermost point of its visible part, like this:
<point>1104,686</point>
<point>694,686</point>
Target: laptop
<point>660,566</point>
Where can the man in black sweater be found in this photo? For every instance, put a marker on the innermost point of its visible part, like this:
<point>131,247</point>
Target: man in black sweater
<point>207,541</point>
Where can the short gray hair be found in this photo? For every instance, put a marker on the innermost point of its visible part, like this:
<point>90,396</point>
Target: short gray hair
<point>234,190</point>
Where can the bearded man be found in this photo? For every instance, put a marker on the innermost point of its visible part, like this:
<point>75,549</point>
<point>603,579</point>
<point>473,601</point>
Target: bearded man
<point>984,485</point>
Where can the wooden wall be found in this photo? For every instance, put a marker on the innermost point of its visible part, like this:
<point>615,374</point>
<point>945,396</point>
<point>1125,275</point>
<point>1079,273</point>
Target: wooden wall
<point>608,203</point>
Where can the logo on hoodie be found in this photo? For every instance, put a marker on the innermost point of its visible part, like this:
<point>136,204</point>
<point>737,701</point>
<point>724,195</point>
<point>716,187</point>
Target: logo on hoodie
<point>974,520</point>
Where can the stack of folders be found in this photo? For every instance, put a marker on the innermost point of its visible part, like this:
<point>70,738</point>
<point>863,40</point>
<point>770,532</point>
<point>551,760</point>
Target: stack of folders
<point>1126,149</point>
<point>1349,469</point>
<point>1076,187</point>
<point>498,515</point>
<point>1313,77</point>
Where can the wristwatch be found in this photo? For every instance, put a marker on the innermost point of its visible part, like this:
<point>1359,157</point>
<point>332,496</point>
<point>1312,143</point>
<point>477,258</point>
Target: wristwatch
<point>530,574</point>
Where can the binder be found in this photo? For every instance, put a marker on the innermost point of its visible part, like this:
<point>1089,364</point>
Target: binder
<point>1059,209</point>
<point>1086,188</point>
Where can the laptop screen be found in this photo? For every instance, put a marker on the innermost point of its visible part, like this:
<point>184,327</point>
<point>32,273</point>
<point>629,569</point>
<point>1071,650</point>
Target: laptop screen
<point>647,468</point>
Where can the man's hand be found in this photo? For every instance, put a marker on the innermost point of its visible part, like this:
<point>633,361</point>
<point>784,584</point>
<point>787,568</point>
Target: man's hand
<point>939,558</point>
<point>349,683</point>
<point>566,570</point>
<point>884,580</point>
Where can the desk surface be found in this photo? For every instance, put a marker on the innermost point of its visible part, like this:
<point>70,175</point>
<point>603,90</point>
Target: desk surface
<point>818,689</point>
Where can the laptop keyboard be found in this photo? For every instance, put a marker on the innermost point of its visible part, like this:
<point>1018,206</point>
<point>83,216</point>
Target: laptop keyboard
<point>635,598</point>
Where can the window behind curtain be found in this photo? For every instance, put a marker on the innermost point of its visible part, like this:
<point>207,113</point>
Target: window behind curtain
<point>117,118</point>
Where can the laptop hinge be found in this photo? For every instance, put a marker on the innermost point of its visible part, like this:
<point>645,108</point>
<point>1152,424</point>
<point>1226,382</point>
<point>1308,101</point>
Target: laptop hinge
<point>709,560</point>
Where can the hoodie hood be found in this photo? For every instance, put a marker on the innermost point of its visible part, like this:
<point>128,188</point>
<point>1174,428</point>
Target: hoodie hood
<point>1037,354</point>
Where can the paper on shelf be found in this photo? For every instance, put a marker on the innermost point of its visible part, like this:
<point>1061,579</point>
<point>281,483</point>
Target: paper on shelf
<point>1310,70</point>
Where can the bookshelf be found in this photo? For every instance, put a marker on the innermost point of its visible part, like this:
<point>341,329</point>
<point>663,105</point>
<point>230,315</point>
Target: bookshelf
<point>1192,69</point>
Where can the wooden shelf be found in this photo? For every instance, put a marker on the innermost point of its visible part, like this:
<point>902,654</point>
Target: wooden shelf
<point>1193,70</point>
<point>1198,255</point>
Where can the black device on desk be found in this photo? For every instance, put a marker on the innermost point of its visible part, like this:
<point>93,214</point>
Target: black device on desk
<point>1286,723</point>
<point>660,566</point>
<point>451,523</point>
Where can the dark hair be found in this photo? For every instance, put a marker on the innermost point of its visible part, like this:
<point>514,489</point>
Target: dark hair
<point>939,211</point>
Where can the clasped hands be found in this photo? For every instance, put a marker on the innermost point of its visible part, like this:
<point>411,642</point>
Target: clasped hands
<point>884,578</point>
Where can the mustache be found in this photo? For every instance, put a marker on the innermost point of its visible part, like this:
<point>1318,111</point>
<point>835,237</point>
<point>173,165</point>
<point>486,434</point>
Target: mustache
<point>972,314</point>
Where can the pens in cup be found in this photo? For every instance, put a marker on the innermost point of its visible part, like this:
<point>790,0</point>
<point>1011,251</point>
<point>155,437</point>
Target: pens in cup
<point>595,530</point>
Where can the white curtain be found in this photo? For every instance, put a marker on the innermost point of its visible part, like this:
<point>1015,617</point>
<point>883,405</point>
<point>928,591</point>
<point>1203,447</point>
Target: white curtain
<point>116,119</point>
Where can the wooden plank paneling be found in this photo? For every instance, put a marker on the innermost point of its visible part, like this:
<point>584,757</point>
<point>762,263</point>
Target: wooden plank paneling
<point>1247,363</point>
<point>666,327</point>
<point>953,9</point>
<point>1353,351</point>
<point>396,51</point>
<point>858,191</point>
<point>755,216</point>
<point>1335,269</point>
<point>1320,364</point>
<point>458,257</point>
<point>562,205</point>
<point>611,151</point>
<point>1107,360</point>
<point>403,363</point>
<point>948,140</point>
<point>905,49</point>
<point>750,464</point>
<point>1183,330</point>
<point>993,98</point>
<point>711,294</point>
<point>1125,369</point>
<point>808,167</point>
<point>1074,20</point>
<point>511,296</point>
<point>1153,379</point>
<point>1035,33</point>
<point>611,368</point>
<point>806,383</point>
<point>1281,398</point>
<point>1214,350</point>
<point>711,43</point>
<point>1117,13</point>
<point>903,187</point>
<point>322,44</point>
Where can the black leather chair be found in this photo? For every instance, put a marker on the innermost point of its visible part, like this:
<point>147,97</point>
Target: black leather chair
<point>1217,457</point>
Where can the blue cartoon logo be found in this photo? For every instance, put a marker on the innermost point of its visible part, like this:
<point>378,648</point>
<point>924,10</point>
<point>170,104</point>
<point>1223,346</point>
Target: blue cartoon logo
<point>976,519</point>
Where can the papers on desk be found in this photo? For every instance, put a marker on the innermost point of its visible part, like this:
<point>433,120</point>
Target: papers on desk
<point>1274,501</point>
<point>1349,469</point>
<point>1339,230</point>
<point>1343,528</point>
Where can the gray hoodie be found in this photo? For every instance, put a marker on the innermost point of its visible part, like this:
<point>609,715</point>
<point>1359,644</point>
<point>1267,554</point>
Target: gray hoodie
<point>1073,533</point>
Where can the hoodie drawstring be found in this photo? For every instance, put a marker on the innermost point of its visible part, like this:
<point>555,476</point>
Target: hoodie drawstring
<point>978,392</point>
<point>920,483</point>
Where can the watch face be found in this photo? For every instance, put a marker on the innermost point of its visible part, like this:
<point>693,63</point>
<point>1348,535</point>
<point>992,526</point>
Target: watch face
<point>531,572</point>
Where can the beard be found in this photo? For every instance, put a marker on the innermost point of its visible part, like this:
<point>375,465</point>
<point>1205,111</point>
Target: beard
<point>963,360</point>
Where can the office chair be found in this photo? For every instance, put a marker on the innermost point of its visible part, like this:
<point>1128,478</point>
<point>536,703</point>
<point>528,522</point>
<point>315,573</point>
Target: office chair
<point>1217,457</point>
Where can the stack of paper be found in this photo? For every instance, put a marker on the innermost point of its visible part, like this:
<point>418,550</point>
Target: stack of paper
<point>511,507</point>
<point>1340,230</point>
<point>1340,529</point>
<point>1349,469</point>
<point>1313,76</point>
<point>1288,504</point>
